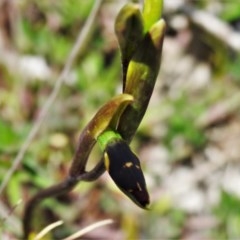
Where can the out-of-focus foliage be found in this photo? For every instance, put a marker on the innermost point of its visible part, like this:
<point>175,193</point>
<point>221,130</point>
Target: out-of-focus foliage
<point>49,28</point>
<point>228,212</point>
<point>231,11</point>
<point>188,142</point>
<point>182,123</point>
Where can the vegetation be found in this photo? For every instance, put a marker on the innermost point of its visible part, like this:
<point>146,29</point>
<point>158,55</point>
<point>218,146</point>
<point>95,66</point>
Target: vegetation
<point>188,141</point>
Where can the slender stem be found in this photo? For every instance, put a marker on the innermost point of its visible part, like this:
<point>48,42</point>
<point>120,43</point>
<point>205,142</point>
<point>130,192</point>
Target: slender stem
<point>55,190</point>
<point>95,173</point>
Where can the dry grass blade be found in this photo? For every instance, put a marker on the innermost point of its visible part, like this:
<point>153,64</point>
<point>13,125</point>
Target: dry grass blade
<point>78,46</point>
<point>88,229</point>
<point>47,229</point>
<point>217,28</point>
<point>8,218</point>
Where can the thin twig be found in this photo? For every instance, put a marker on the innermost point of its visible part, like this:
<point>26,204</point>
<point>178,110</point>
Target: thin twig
<point>47,229</point>
<point>78,46</point>
<point>8,219</point>
<point>56,190</point>
<point>88,229</point>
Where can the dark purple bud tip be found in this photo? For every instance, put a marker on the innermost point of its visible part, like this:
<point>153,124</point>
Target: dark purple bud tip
<point>125,170</point>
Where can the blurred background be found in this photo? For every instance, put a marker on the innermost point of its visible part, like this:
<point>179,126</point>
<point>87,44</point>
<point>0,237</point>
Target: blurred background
<point>188,141</point>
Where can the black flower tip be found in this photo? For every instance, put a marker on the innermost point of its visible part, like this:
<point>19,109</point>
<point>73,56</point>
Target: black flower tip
<point>125,170</point>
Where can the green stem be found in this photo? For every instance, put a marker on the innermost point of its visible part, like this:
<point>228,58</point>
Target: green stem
<point>152,12</point>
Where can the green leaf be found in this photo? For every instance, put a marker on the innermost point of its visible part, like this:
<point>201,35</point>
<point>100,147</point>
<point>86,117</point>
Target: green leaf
<point>231,10</point>
<point>8,137</point>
